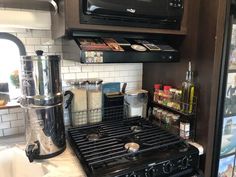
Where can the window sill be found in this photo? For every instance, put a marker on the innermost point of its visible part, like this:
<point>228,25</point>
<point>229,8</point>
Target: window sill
<point>10,105</point>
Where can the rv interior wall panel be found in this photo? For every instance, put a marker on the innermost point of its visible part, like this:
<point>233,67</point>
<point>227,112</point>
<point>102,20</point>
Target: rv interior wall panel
<point>25,19</point>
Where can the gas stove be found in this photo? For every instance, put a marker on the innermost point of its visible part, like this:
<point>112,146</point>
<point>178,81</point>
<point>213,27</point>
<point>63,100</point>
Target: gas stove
<point>132,147</point>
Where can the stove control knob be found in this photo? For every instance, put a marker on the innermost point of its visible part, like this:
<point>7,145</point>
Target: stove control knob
<point>133,175</point>
<point>167,167</point>
<point>185,162</point>
<point>152,172</point>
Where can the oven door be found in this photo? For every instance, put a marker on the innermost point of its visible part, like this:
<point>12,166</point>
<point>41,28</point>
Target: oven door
<point>195,173</point>
<point>188,173</point>
<point>131,8</point>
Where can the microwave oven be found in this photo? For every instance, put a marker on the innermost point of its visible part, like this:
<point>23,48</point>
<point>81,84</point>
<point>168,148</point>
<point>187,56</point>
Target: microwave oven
<point>163,14</point>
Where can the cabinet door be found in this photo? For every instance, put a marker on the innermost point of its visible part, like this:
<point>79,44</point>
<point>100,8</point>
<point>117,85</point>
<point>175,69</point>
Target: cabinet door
<point>27,4</point>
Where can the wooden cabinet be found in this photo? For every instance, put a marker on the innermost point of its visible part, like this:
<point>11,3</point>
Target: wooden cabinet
<point>27,4</point>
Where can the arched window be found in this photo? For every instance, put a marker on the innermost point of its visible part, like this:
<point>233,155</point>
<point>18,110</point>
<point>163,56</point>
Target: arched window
<point>11,48</point>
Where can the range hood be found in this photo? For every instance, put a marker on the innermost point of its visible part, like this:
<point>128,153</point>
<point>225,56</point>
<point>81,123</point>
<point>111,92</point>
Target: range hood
<point>94,48</point>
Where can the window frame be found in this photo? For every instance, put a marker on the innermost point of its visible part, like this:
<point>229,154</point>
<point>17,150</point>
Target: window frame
<point>22,52</point>
<point>14,39</point>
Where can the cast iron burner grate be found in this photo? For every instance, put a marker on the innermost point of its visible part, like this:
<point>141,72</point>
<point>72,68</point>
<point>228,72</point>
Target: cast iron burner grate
<point>109,147</point>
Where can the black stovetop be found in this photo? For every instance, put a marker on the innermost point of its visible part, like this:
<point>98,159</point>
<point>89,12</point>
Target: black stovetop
<point>102,153</point>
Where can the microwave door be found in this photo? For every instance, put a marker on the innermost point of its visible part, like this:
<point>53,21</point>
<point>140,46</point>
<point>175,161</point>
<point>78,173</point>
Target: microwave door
<point>135,8</point>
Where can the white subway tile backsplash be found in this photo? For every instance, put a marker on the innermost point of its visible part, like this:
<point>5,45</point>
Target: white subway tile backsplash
<point>116,74</point>
<point>58,42</point>
<point>40,47</point>
<point>93,75</point>
<point>32,41</point>
<point>29,48</point>
<point>17,123</point>
<point>24,35</point>
<point>41,33</point>
<point>46,41</point>
<point>22,39</point>
<point>65,70</point>
<point>81,75</point>
<point>66,63</point>
<point>9,117</point>
<point>15,110</point>
<point>54,49</point>
<point>20,116</point>
<point>123,73</point>
<point>132,79</point>
<point>3,111</point>
<point>87,68</point>
<point>103,74</point>
<point>111,74</point>
<point>1,133</point>
<point>120,79</point>
<point>69,76</point>
<point>109,68</point>
<point>98,68</point>
<point>10,131</point>
<point>4,125</point>
<point>74,69</point>
<point>108,79</point>
<point>21,129</point>
<point>134,73</point>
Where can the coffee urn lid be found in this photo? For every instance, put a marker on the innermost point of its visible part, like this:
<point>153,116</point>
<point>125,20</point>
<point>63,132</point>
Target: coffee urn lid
<point>39,55</point>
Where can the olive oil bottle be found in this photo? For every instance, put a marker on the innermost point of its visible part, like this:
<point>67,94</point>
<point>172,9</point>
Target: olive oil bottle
<point>188,91</point>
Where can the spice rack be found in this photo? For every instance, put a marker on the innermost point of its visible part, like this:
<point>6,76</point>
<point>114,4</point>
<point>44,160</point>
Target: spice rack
<point>130,52</point>
<point>184,117</point>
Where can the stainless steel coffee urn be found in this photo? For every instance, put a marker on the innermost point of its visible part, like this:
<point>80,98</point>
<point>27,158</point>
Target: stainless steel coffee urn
<point>42,100</point>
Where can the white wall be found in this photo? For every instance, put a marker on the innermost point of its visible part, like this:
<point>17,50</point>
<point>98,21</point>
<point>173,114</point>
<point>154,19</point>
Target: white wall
<point>12,120</point>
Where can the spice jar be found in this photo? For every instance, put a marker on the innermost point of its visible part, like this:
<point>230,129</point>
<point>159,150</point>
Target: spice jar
<point>175,120</point>
<point>94,100</point>
<point>163,116</point>
<point>167,95</point>
<point>154,112</point>
<point>78,109</point>
<point>185,129</point>
<point>168,118</point>
<point>178,99</point>
<point>159,114</point>
<point>156,92</point>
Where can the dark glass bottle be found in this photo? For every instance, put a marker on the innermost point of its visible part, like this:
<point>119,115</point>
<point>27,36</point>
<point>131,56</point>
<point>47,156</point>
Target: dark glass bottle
<point>188,89</point>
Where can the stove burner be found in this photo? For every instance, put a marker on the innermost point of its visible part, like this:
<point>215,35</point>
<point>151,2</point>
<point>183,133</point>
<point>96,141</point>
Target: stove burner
<point>136,128</point>
<point>93,137</point>
<point>132,147</point>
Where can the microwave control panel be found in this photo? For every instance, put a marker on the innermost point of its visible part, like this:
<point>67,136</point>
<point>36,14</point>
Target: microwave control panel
<point>176,3</point>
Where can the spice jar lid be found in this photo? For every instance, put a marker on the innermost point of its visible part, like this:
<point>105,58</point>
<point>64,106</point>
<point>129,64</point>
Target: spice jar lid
<point>157,86</point>
<point>95,81</point>
<point>76,81</point>
<point>167,87</point>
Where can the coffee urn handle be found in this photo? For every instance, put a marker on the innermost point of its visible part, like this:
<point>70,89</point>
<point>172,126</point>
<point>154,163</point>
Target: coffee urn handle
<point>68,101</point>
